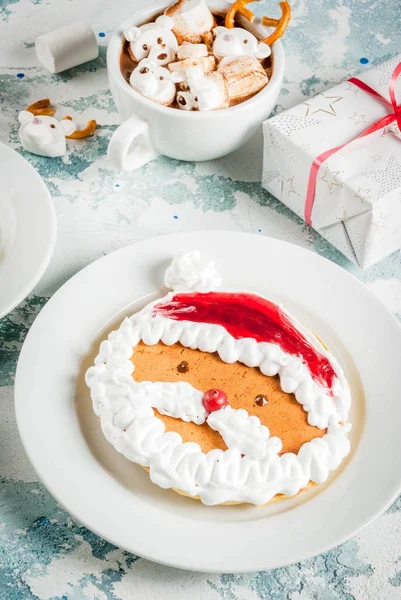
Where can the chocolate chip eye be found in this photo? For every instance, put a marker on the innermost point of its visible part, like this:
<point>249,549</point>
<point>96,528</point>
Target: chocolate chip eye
<point>52,126</point>
<point>144,70</point>
<point>183,367</point>
<point>159,41</point>
<point>196,98</point>
<point>161,78</point>
<point>181,101</point>
<point>145,46</point>
<point>260,400</point>
<point>245,41</point>
<point>162,56</point>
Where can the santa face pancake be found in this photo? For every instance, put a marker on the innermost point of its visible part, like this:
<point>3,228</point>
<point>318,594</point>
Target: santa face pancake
<point>222,396</point>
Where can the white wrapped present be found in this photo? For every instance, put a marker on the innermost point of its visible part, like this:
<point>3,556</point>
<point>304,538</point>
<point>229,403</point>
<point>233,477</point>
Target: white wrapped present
<point>353,197</point>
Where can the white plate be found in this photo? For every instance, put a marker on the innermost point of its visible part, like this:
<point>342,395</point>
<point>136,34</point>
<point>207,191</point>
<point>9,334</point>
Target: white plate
<point>116,499</point>
<point>27,228</point>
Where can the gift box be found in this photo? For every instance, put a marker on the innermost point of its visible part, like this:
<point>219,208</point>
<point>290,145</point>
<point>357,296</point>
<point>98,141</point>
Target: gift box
<point>335,160</point>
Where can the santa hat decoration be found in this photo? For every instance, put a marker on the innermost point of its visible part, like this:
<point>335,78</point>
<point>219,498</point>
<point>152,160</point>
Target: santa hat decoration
<point>250,316</point>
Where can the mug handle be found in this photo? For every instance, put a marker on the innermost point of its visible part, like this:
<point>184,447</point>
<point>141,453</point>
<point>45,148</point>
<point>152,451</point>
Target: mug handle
<point>130,147</point>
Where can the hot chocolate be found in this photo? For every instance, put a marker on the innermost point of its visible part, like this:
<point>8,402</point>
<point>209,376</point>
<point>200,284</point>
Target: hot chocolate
<point>191,59</point>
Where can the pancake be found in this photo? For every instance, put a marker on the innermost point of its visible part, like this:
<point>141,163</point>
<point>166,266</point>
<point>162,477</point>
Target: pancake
<point>221,396</point>
<point>283,415</point>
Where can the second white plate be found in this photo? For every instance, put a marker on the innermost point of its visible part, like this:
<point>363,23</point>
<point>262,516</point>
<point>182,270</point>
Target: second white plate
<point>116,499</point>
<point>27,228</point>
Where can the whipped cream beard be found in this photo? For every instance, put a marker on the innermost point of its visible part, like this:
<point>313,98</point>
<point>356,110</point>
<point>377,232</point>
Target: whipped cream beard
<point>194,314</point>
<point>174,40</point>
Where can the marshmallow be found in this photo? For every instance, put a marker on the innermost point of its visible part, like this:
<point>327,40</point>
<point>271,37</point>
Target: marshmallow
<point>206,63</point>
<point>154,82</point>
<point>244,76</point>
<point>188,50</point>
<point>186,101</point>
<point>161,56</point>
<point>238,42</point>
<point>206,92</point>
<point>153,40</point>
<point>44,135</point>
<point>66,47</point>
<point>191,18</point>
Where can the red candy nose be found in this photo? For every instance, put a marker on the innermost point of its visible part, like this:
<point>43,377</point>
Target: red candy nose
<point>214,400</point>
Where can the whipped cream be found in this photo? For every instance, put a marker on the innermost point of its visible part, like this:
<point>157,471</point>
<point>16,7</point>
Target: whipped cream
<point>244,433</point>
<point>251,470</point>
<point>191,271</point>
<point>238,42</point>
<point>44,135</point>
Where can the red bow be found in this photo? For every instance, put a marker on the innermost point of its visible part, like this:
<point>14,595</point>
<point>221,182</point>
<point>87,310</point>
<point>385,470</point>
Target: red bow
<point>394,115</point>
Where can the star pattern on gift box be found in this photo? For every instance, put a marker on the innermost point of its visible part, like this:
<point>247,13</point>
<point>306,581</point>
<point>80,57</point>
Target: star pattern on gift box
<point>376,157</point>
<point>386,69</point>
<point>322,103</point>
<point>270,176</point>
<point>352,88</point>
<point>392,128</point>
<point>330,177</point>
<point>288,123</point>
<point>287,186</point>
<point>284,145</point>
<point>363,195</point>
<point>358,118</point>
<point>389,178</point>
<point>379,226</point>
<point>380,222</point>
<point>372,244</point>
<point>343,217</point>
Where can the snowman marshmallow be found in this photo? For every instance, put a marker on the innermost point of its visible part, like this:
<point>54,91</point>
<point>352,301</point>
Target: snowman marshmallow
<point>238,42</point>
<point>154,82</point>
<point>205,92</point>
<point>153,40</point>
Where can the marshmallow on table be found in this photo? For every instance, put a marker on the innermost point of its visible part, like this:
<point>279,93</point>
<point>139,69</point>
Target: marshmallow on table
<point>192,18</point>
<point>206,92</point>
<point>238,42</point>
<point>153,40</point>
<point>154,82</point>
<point>66,47</point>
<point>244,76</point>
<point>44,135</point>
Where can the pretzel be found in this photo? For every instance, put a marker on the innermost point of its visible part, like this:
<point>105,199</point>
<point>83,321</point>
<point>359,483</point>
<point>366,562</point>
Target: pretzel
<point>239,6</point>
<point>80,134</point>
<point>41,107</point>
<point>280,24</point>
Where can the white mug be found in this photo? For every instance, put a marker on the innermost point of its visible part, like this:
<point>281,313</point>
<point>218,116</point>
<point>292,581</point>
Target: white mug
<point>150,129</point>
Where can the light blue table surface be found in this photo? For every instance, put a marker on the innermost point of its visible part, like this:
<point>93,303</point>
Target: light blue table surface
<point>43,552</point>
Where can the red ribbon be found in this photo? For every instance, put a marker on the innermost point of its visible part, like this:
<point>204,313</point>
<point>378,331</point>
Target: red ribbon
<point>395,115</point>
